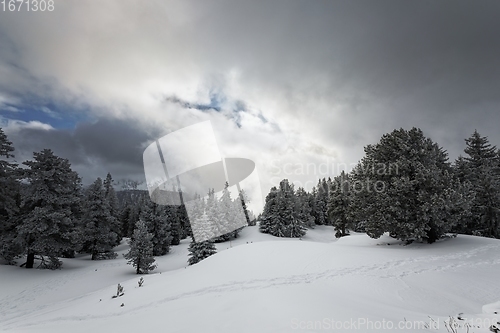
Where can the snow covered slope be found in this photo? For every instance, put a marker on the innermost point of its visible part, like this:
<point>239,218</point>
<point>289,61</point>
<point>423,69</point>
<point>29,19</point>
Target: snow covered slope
<point>262,284</point>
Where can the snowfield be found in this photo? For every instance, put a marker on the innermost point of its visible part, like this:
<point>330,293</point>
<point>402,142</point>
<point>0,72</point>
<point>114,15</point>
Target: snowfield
<point>260,283</point>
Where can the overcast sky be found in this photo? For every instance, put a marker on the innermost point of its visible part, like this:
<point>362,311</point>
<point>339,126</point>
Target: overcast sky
<point>283,81</point>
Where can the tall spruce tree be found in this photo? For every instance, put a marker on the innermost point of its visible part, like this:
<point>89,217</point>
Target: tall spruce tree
<point>98,232</point>
<point>130,202</point>
<point>203,227</point>
<point>401,184</point>
<point>213,212</point>
<point>175,225</point>
<point>184,223</point>
<point>245,200</point>
<point>9,200</point>
<point>126,219</point>
<point>481,167</point>
<point>227,212</point>
<point>340,208</point>
<point>280,216</point>
<point>134,216</point>
<point>289,223</point>
<point>270,213</point>
<point>50,209</point>
<point>303,208</point>
<point>321,204</point>
<point>140,254</point>
<point>114,207</point>
<point>204,249</point>
<point>155,217</point>
<point>313,204</point>
<point>197,207</point>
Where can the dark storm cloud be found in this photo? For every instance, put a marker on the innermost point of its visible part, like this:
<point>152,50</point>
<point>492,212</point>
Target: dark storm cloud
<point>93,149</point>
<point>436,59</point>
<point>387,47</point>
<point>62,142</point>
<point>112,141</point>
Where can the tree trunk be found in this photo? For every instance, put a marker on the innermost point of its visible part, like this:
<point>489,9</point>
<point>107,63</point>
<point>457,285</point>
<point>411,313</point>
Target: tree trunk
<point>495,224</point>
<point>30,259</point>
<point>432,235</point>
<point>94,251</point>
<point>68,254</point>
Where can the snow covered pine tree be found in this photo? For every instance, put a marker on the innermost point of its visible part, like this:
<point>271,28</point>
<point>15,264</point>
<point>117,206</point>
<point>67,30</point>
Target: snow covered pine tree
<point>404,186</point>
<point>482,168</point>
<point>282,215</point>
<point>140,254</point>
<point>112,200</point>
<point>204,249</point>
<point>156,219</point>
<point>340,209</point>
<point>9,201</point>
<point>50,208</point>
<point>98,233</point>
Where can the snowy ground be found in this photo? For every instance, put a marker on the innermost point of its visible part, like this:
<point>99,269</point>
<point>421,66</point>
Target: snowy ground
<point>259,283</point>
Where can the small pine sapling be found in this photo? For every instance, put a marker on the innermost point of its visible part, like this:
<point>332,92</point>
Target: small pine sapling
<point>119,291</point>
<point>140,282</point>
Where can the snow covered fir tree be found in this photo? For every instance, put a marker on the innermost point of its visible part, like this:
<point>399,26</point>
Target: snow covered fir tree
<point>202,249</point>
<point>481,167</point>
<point>156,219</point>
<point>282,215</point>
<point>227,212</point>
<point>405,183</point>
<point>213,220</point>
<point>340,208</point>
<point>114,209</point>
<point>50,209</point>
<point>9,201</point>
<point>99,224</point>
<point>141,250</point>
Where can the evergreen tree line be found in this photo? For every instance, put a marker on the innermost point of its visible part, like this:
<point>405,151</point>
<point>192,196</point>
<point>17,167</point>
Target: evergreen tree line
<point>213,220</point>
<point>405,186</point>
<point>46,213</point>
